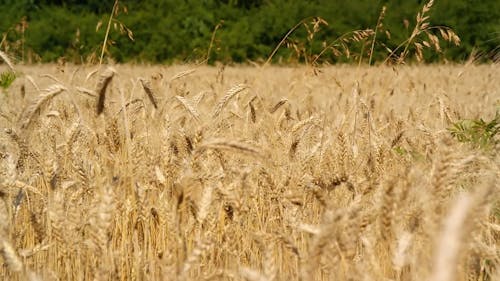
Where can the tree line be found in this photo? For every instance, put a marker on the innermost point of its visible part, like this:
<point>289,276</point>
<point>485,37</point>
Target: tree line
<point>166,31</point>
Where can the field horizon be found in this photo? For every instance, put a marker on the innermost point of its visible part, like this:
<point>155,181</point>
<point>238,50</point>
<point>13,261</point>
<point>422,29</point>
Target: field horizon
<point>194,172</point>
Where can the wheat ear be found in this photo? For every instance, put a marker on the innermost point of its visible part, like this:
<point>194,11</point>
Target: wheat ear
<point>230,94</point>
<point>10,257</point>
<point>182,74</point>
<point>43,99</point>
<point>194,257</point>
<point>277,105</point>
<point>228,145</point>
<point>450,240</point>
<point>189,107</point>
<point>102,85</point>
<point>86,91</point>
<point>146,85</point>
<point>32,81</point>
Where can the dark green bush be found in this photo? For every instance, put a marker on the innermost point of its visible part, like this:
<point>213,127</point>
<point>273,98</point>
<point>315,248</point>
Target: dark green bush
<point>172,30</point>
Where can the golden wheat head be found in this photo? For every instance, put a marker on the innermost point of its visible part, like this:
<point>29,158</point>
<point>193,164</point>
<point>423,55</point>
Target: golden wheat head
<point>101,87</point>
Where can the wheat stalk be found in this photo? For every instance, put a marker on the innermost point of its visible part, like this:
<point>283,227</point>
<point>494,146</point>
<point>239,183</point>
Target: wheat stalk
<point>104,43</point>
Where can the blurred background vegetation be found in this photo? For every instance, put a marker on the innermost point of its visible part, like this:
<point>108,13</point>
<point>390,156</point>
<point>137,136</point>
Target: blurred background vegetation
<point>166,31</point>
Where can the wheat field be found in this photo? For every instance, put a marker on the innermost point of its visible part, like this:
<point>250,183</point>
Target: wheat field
<point>243,173</point>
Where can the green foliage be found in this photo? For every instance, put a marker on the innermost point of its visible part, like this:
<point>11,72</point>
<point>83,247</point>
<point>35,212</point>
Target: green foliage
<point>478,132</point>
<point>7,78</point>
<point>172,30</point>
